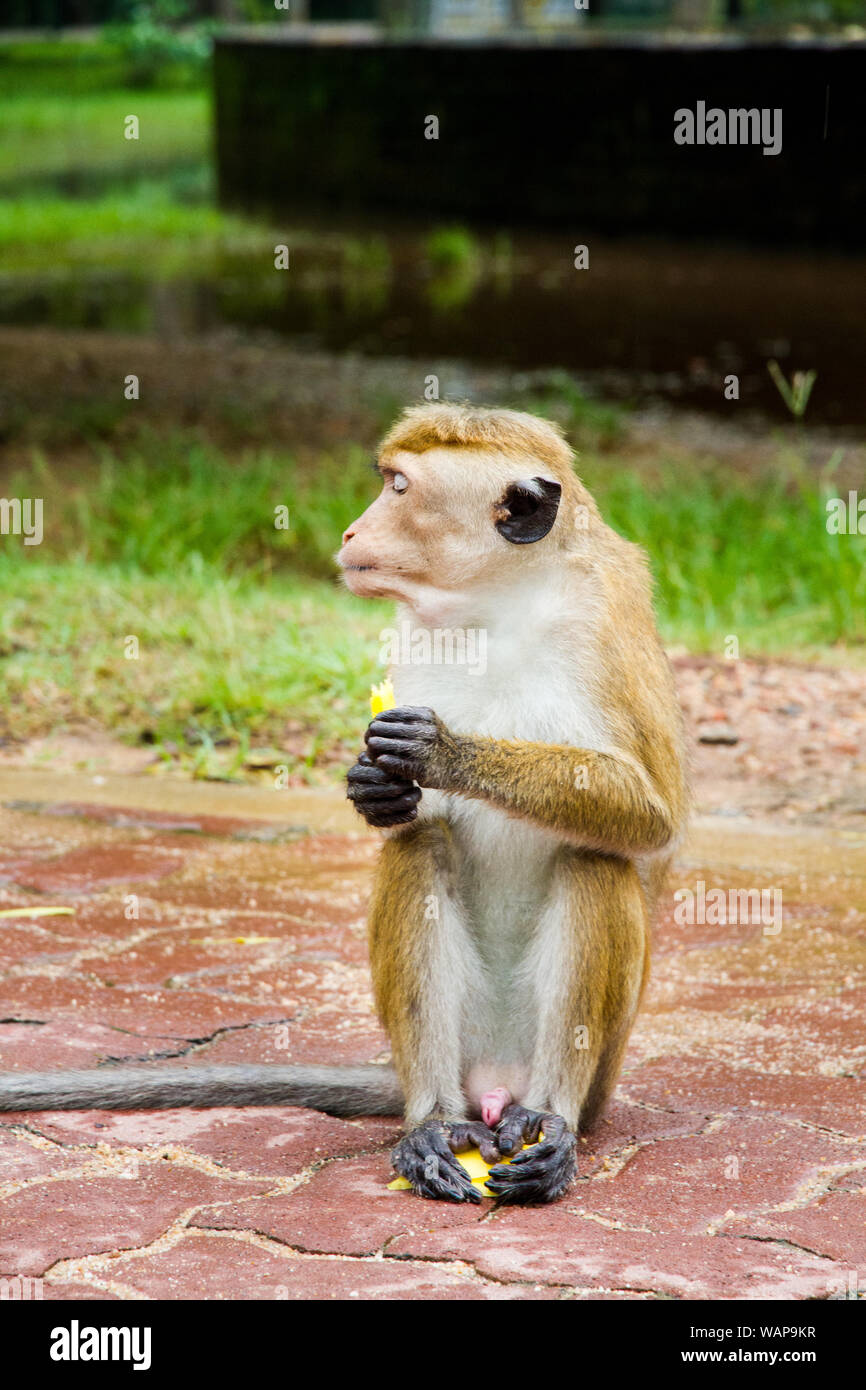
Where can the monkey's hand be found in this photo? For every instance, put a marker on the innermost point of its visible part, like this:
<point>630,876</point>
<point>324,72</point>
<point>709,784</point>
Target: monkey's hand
<point>541,1173</point>
<point>426,1158</point>
<point>382,799</point>
<point>411,742</point>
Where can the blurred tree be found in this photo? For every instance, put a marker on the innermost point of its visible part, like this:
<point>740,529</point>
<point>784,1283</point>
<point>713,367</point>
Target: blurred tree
<point>154,34</point>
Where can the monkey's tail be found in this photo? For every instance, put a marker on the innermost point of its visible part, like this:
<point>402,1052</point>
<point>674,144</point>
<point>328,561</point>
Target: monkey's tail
<point>343,1091</point>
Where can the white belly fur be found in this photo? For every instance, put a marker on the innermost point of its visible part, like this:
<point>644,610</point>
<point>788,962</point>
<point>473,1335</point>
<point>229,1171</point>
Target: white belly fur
<point>504,864</point>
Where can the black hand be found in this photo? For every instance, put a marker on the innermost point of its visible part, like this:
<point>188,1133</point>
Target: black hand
<point>539,1174</point>
<point>407,742</point>
<point>379,797</point>
<point>424,1157</point>
<point>473,1134</point>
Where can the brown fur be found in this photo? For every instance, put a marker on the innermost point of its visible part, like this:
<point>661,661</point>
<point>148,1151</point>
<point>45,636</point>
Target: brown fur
<point>616,834</point>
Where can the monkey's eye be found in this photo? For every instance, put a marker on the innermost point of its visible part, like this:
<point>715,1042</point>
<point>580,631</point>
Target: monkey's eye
<point>400,482</point>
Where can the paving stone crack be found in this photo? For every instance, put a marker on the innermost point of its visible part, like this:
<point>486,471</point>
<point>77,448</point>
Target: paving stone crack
<point>409,1258</point>
<point>778,1240</point>
<point>193,1045</point>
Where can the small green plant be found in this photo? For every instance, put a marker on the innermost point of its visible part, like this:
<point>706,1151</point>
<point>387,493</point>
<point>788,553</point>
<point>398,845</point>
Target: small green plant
<point>795,393</point>
<point>456,262</point>
<point>448,247</point>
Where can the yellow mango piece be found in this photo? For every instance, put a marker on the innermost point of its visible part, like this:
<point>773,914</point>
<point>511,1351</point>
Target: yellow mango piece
<point>382,697</point>
<point>476,1167</point>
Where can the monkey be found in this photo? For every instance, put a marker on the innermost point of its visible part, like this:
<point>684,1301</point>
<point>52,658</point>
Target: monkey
<point>510,918</point>
<point>529,807</point>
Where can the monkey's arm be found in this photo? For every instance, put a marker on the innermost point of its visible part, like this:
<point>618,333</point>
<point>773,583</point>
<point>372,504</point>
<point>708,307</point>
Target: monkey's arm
<point>601,800</point>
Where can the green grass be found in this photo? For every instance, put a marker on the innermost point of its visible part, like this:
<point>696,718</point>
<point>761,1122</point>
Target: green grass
<point>77,192</point>
<point>50,137</point>
<point>222,659</point>
<point>142,226</point>
<point>81,66</point>
<point>748,556</point>
<point>243,632</point>
<point>165,501</point>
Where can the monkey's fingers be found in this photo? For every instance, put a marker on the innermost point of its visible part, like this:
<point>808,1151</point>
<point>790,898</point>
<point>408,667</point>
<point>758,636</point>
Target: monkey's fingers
<point>385,735</point>
<point>540,1174</point>
<point>382,814</point>
<point>473,1134</point>
<point>405,714</point>
<point>380,791</point>
<point>425,1160</point>
<point>404,767</point>
<point>381,799</point>
<point>520,1126</point>
<point>400,741</point>
<point>368,775</point>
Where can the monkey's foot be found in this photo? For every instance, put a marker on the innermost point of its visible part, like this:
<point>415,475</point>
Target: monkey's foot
<point>473,1134</point>
<point>426,1158</point>
<point>539,1174</point>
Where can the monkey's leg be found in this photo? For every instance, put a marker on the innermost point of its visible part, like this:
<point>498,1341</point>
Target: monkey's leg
<point>426,973</point>
<point>587,967</point>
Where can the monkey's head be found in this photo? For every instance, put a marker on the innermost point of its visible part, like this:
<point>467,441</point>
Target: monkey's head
<point>471,499</point>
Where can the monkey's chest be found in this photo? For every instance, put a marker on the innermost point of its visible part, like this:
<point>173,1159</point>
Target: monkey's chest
<point>512,691</point>
<point>504,865</point>
<point>503,871</point>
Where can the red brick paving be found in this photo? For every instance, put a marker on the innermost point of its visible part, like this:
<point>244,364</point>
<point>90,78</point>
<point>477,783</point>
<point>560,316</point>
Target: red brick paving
<point>731,1165</point>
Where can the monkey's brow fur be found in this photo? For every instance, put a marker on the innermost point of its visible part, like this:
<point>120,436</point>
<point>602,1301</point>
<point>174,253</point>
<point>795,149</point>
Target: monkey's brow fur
<point>508,432</point>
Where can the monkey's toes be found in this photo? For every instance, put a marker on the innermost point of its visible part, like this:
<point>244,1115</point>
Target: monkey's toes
<point>541,1173</point>
<point>520,1126</point>
<point>426,1161</point>
<point>473,1134</point>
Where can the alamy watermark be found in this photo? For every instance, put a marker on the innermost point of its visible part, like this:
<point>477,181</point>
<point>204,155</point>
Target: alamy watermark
<point>736,126</point>
<point>759,907</point>
<point>22,516</point>
<point>20,1288</point>
<point>846,518</point>
<point>77,1343</point>
<point>440,646</point>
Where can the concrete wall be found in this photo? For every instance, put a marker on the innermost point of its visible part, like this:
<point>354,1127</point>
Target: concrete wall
<point>579,136</point>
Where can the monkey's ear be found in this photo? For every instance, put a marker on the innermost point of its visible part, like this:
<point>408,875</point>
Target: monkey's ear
<point>528,510</point>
